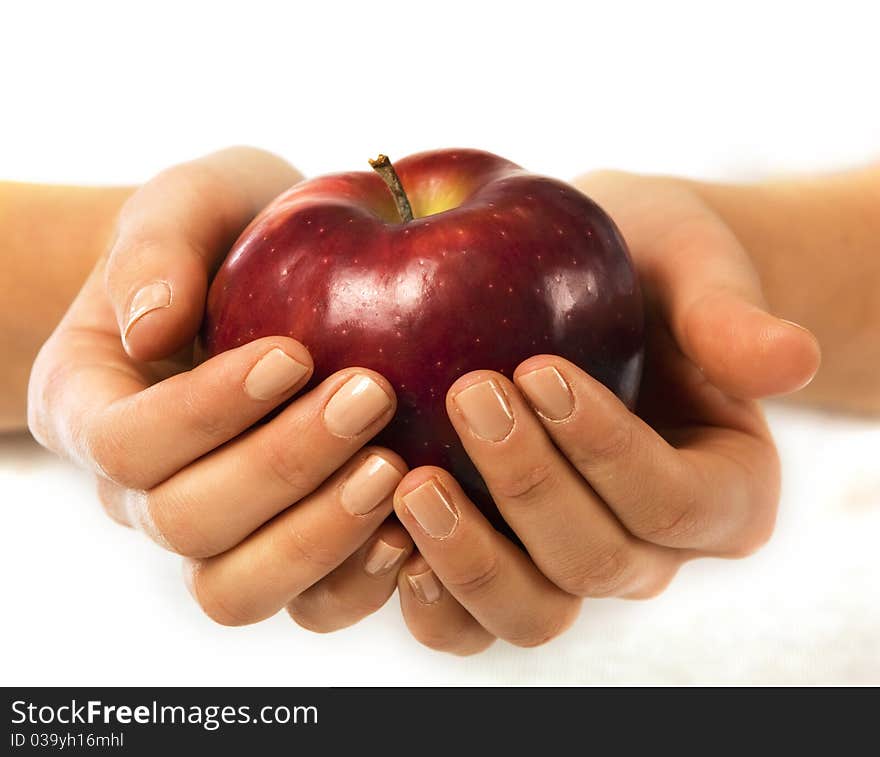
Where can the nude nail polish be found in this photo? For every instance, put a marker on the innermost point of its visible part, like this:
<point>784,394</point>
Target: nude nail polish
<point>432,509</point>
<point>273,375</point>
<point>485,410</point>
<point>356,404</point>
<point>369,486</point>
<point>426,587</point>
<point>381,558</point>
<point>147,299</point>
<point>548,392</point>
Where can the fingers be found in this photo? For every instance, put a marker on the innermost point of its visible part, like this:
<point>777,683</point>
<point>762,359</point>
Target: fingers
<point>569,532</point>
<point>358,587</point>
<point>215,502</point>
<point>434,617</point>
<point>489,576</point>
<point>697,497</point>
<point>304,544</point>
<point>170,236</point>
<point>143,438</point>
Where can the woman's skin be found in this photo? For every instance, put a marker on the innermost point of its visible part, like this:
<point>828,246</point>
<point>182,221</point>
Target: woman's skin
<point>294,513</point>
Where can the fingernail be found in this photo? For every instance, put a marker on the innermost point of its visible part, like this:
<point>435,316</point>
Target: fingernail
<point>796,325</point>
<point>807,380</point>
<point>381,558</point>
<point>147,299</point>
<point>548,392</point>
<point>273,374</point>
<point>370,485</point>
<point>356,404</point>
<point>426,587</point>
<point>431,508</point>
<point>485,410</point>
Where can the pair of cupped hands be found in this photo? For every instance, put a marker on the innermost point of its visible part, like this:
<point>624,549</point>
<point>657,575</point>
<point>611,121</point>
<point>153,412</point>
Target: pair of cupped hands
<point>296,512</point>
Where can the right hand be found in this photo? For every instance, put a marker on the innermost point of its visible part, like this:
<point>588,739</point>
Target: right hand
<point>292,513</point>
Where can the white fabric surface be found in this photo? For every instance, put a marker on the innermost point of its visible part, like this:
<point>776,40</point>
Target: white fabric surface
<point>87,602</point>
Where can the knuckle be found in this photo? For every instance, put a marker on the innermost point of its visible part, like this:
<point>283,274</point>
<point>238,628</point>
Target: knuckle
<point>168,517</point>
<point>350,603</point>
<point>601,574</point>
<point>47,382</point>
<point>112,499</point>
<point>191,179</point>
<point>476,578</point>
<point>220,608</point>
<point>296,545</point>
<point>616,444</point>
<point>655,585</point>
<point>535,631</point>
<point>754,537</point>
<point>471,646</point>
<point>288,467</point>
<point>324,609</point>
<point>198,182</point>
<point>109,455</point>
<point>37,426</point>
<point>526,486</point>
<point>673,525</point>
<point>205,419</point>
<point>437,636</point>
<point>305,616</point>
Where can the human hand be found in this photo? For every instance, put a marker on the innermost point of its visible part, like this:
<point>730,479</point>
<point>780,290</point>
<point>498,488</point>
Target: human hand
<point>607,502</point>
<point>175,448</point>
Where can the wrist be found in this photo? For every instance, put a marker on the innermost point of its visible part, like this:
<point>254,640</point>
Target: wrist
<point>52,237</point>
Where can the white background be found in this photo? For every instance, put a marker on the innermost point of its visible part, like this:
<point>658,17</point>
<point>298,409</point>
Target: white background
<point>98,93</point>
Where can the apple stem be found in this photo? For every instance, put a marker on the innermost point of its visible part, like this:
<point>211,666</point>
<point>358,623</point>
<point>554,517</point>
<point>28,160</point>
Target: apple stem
<point>382,166</point>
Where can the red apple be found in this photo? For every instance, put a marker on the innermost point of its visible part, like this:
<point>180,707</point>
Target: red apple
<point>496,265</point>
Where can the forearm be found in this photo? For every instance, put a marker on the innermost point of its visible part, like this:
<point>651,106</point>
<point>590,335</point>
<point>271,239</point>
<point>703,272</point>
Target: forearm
<point>816,244</point>
<point>51,238</point>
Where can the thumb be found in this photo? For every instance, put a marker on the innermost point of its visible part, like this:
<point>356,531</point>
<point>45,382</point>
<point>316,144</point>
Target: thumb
<point>711,297</point>
<point>170,236</point>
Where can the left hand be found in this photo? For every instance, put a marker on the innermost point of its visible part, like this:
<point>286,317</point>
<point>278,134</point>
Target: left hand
<point>608,503</point>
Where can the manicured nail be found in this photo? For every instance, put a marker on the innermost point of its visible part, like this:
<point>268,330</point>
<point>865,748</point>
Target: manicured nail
<point>807,380</point>
<point>369,486</point>
<point>381,558</point>
<point>356,404</point>
<point>431,508</point>
<point>147,299</point>
<point>273,374</point>
<point>548,392</point>
<point>796,325</point>
<point>485,410</point>
<point>426,587</point>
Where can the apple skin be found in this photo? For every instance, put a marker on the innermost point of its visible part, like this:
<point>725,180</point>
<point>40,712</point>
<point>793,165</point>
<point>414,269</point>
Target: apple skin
<point>498,265</point>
